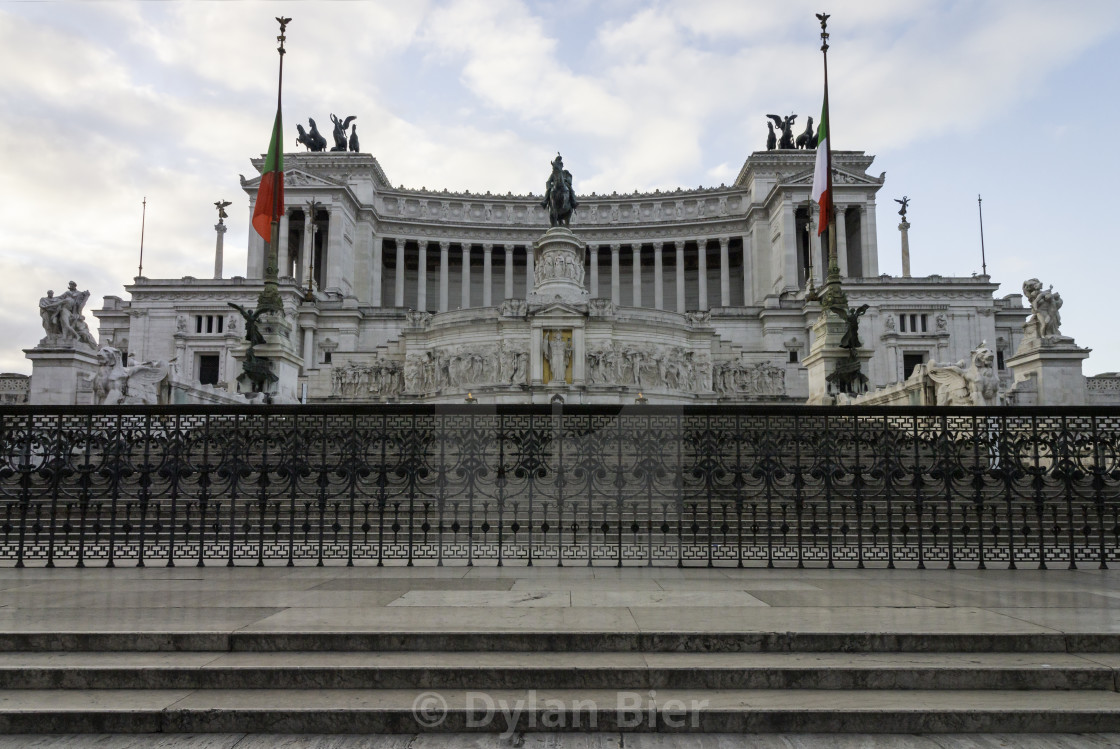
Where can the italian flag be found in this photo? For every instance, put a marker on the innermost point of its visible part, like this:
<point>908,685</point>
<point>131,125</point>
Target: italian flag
<point>270,193</point>
<point>822,182</point>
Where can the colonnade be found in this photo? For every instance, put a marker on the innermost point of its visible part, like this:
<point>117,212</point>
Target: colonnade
<point>631,261</point>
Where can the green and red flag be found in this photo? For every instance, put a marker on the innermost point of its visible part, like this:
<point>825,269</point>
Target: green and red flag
<point>822,180</point>
<point>270,193</point>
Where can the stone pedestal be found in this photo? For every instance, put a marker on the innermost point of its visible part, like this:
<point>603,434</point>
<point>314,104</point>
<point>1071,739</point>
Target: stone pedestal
<point>1054,365</point>
<point>558,268</point>
<point>824,356</point>
<point>279,350</point>
<point>62,375</point>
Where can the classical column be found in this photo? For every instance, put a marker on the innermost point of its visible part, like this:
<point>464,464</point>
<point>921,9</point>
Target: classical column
<point>399,289</point>
<point>616,291</point>
<point>748,293</point>
<point>308,247</point>
<point>487,296</point>
<point>282,248</point>
<point>658,276</point>
<point>680,276</point>
<point>870,251</point>
<point>444,248</point>
<point>637,272</point>
<point>530,273</point>
<point>219,247</point>
<point>904,227</point>
<point>724,273</point>
<point>308,348</point>
<point>509,270</point>
<point>377,270</point>
<point>594,285</point>
<point>842,239</point>
<point>422,275</point>
<point>702,271</point>
<point>466,295</point>
<point>332,261</point>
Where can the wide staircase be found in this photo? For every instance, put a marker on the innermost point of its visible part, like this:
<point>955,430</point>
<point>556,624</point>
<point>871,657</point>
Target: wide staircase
<point>510,682</point>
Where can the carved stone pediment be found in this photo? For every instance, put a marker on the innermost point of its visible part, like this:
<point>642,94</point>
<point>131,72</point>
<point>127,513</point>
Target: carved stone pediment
<point>294,178</point>
<point>558,309</point>
<point>839,177</point>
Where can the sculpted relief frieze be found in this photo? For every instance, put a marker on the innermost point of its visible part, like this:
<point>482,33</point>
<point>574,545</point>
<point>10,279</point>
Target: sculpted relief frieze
<point>381,377</point>
<point>649,367</point>
<point>738,378</point>
<point>466,366</point>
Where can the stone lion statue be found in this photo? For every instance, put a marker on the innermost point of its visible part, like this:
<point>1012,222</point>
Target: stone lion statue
<point>118,385</point>
<point>976,385</point>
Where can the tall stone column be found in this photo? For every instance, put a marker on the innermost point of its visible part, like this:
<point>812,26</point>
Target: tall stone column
<point>378,268</point>
<point>282,262</point>
<point>594,286</point>
<point>509,270</point>
<point>308,248</point>
<point>399,289</point>
<point>487,294</point>
<point>616,287</point>
<point>637,273</point>
<point>842,239</point>
<point>870,247</point>
<point>680,276</point>
<point>219,248</point>
<point>904,227</point>
<point>702,271</point>
<point>332,260</point>
<point>724,273</point>
<point>658,276</point>
<point>465,296</point>
<point>309,348</point>
<point>530,270</point>
<point>748,292</point>
<point>444,249</point>
<point>421,275</point>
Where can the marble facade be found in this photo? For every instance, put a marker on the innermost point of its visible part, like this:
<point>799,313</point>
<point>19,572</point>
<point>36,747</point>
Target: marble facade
<point>686,296</point>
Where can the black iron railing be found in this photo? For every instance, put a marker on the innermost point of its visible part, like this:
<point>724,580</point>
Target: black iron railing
<point>636,485</point>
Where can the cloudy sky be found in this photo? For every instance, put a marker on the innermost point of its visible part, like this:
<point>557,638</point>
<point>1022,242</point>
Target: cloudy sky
<point>106,103</point>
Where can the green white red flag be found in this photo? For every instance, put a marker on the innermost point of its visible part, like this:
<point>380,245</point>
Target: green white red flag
<point>270,193</point>
<point>822,180</point>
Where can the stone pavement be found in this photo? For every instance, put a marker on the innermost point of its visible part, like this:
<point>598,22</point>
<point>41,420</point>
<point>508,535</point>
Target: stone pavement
<point>965,610</point>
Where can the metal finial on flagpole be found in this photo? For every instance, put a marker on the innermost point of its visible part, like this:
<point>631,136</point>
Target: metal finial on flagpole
<point>983,256</point>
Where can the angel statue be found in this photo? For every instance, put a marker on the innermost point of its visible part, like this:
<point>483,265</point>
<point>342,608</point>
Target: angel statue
<point>118,385</point>
<point>340,127</point>
<point>252,324</point>
<point>786,126</point>
<point>221,205</point>
<point>851,316</point>
<point>1045,305</point>
<point>905,203</point>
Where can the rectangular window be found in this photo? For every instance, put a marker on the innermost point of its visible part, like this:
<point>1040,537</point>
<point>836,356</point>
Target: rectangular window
<point>198,323</point>
<point>221,322</point>
<point>902,323</point>
<point>208,369</point>
<point>209,323</point>
<point>326,357</point>
<point>924,329</point>
<point>793,357</point>
<point>913,323</point>
<point>910,363</point>
<point>999,361</point>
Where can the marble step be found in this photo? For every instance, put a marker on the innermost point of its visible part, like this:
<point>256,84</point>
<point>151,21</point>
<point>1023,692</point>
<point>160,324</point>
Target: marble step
<point>563,641</point>
<point>496,670</point>
<point>683,710</point>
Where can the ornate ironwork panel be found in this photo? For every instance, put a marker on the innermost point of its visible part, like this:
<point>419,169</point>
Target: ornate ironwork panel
<point>641,485</point>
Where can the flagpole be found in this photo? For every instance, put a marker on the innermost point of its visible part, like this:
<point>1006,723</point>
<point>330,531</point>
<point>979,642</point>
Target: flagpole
<point>833,293</point>
<point>269,299</point>
<point>143,218</point>
<point>983,257</point>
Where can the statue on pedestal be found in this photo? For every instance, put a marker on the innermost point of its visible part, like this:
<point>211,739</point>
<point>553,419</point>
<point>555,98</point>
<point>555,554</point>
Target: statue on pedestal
<point>851,316</point>
<point>559,198</point>
<point>807,139</point>
<point>62,317</point>
<point>1045,318</point>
